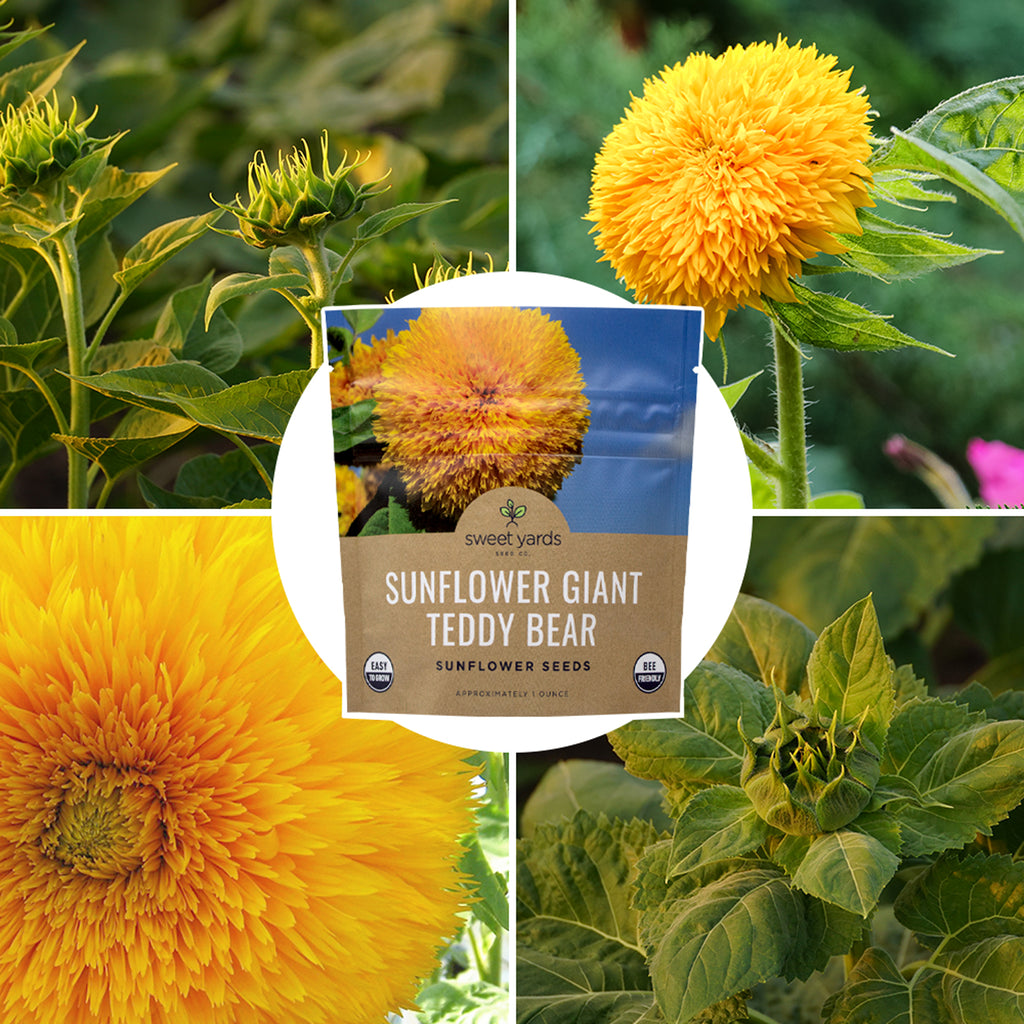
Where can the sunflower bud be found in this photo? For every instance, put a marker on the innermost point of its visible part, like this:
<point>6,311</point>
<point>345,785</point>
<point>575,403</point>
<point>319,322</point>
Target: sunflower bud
<point>38,146</point>
<point>807,775</point>
<point>292,204</point>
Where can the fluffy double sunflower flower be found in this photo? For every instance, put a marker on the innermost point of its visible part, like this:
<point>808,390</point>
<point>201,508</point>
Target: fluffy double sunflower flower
<point>189,831</point>
<point>729,172</point>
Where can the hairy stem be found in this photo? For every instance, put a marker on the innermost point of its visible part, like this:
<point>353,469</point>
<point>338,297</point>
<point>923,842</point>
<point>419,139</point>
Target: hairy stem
<point>792,489</point>
<point>69,285</point>
<point>320,295</point>
<point>761,457</point>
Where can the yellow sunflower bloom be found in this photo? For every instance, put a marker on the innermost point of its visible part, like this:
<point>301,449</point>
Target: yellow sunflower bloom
<point>355,380</point>
<point>189,831</point>
<point>352,496</point>
<point>729,172</point>
<point>479,398</point>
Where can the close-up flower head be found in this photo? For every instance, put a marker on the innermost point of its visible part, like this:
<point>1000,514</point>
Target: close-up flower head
<point>473,399</point>
<point>292,204</point>
<point>189,830</point>
<point>729,172</point>
<point>38,144</point>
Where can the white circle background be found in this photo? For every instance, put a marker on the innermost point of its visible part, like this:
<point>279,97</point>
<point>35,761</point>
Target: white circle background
<point>305,525</point>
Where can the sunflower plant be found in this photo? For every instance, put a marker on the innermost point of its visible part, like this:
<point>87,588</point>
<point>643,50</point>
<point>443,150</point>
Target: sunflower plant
<point>107,361</point>
<point>817,824</point>
<point>733,180</point>
<point>290,210</point>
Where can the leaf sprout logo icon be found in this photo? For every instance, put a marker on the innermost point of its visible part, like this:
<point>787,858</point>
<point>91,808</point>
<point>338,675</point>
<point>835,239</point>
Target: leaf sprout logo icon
<point>511,511</point>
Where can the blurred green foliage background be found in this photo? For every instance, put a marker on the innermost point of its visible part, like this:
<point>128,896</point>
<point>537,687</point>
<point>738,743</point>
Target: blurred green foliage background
<point>577,63</point>
<point>417,86</point>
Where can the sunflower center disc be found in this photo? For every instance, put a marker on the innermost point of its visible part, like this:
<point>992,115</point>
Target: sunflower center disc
<point>92,832</point>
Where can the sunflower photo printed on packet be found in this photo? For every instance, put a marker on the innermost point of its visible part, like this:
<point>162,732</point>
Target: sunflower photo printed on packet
<point>513,499</point>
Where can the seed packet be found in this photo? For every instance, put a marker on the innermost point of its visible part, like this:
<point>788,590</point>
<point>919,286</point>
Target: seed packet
<point>513,499</point>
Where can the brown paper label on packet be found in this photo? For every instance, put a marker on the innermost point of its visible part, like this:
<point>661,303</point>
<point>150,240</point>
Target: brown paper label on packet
<point>512,614</point>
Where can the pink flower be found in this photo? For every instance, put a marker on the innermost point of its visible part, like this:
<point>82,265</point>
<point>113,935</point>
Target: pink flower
<point>999,468</point>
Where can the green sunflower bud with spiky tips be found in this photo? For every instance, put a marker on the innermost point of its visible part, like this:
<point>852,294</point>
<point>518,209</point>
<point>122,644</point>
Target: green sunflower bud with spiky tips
<point>807,775</point>
<point>38,146</point>
<point>292,204</point>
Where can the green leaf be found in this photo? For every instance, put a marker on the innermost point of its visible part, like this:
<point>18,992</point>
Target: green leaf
<point>573,880</point>
<point>29,355</point>
<point>228,478</point>
<point>762,492</point>
<point>723,938</point>
<point>352,424</point>
<point>139,437</point>
<point>255,408</point>
<point>11,41</point>
<point>972,141</point>
<point>238,285</point>
<point>716,824</point>
<point>765,643</point>
<point>847,868</point>
<point>477,218</point>
<point>97,264</point>
<point>876,993</point>
<point>36,78</point>
<point>818,566</point>
<point>896,252</point>
<point>156,387</point>
<point>732,393</point>
<point>964,899</point>
<point>984,982</point>
<point>837,499</point>
<point>904,188</point>
<point>158,497</point>
<point>126,355</point>
<point>827,321</point>
<point>1004,706</point>
<point>594,786</point>
<point>705,746</point>
<point>383,221</point>
<point>578,952</point>
<point>159,245</point>
<point>26,422</point>
<point>952,755</point>
<point>475,1002</point>
<point>113,192</point>
<point>490,904</point>
<point>216,344</point>
<point>849,672</point>
<point>394,518</point>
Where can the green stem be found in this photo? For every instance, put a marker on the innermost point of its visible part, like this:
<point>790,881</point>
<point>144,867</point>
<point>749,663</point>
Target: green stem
<point>494,961</point>
<point>7,480</point>
<point>320,294</point>
<point>252,457</point>
<point>792,489</point>
<point>69,284</point>
<point>101,331</point>
<point>44,390</point>
<point>108,486</point>
<point>762,459</point>
<point>760,1018</point>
